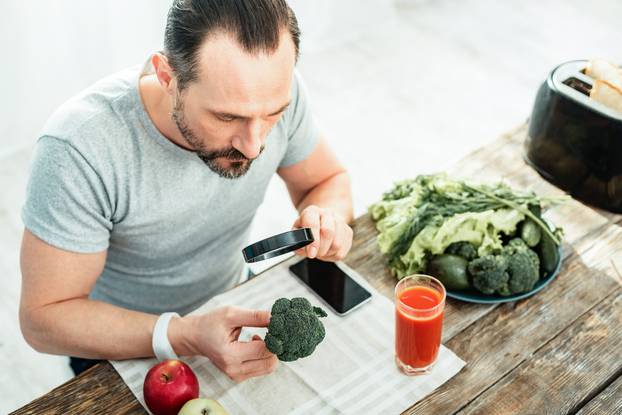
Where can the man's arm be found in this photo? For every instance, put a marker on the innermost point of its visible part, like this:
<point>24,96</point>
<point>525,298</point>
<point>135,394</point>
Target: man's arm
<point>57,317</point>
<point>319,187</point>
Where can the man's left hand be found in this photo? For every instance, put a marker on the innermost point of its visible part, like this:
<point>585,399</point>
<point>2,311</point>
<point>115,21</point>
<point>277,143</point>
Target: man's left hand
<point>333,236</point>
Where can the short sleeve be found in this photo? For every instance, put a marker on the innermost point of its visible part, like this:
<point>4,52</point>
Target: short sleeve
<point>302,130</point>
<point>66,204</point>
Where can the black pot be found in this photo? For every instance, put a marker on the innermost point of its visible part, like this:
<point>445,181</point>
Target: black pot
<point>575,142</point>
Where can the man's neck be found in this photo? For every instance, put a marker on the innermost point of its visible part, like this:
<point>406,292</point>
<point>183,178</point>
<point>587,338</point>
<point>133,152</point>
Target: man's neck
<point>158,105</point>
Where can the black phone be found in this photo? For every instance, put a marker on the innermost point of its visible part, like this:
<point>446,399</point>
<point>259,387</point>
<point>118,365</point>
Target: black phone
<point>332,283</point>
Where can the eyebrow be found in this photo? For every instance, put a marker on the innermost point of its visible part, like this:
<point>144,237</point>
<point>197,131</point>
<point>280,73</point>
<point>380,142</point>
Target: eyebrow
<point>230,115</point>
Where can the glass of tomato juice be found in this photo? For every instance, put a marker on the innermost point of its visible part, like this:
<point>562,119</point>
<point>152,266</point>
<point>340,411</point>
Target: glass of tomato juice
<point>419,310</point>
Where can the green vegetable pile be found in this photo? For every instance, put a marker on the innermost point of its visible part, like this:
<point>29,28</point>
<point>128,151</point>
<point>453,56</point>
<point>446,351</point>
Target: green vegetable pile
<point>294,329</point>
<point>488,237</point>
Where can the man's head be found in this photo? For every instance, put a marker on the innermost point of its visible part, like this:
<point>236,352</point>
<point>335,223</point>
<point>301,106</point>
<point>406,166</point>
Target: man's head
<point>228,66</point>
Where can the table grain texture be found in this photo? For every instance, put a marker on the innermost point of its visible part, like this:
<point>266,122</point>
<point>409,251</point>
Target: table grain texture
<point>558,352</point>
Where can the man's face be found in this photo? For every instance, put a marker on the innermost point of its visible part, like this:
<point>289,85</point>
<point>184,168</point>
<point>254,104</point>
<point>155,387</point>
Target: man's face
<point>226,114</point>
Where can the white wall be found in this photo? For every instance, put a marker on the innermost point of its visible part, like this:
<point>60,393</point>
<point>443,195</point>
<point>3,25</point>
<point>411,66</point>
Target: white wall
<point>51,49</point>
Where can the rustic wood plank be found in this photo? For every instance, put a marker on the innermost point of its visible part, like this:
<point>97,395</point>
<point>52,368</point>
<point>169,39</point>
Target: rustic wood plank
<point>493,339</point>
<point>576,364</point>
<point>494,160</point>
<point>503,339</point>
<point>99,390</point>
<point>563,374</point>
<point>608,401</point>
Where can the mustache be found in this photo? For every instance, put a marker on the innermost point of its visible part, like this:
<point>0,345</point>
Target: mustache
<point>228,153</point>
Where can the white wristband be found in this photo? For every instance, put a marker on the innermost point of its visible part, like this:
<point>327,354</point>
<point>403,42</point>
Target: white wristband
<point>161,346</point>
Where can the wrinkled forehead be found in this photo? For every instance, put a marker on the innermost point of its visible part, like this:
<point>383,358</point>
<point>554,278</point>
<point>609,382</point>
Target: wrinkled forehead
<point>230,76</point>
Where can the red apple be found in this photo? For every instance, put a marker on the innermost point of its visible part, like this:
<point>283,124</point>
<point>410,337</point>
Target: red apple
<point>168,386</point>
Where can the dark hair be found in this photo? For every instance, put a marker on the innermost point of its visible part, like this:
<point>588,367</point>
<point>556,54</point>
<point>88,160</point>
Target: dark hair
<point>256,24</point>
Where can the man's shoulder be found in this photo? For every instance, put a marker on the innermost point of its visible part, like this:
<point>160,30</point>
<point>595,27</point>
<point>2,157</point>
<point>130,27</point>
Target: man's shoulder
<point>297,91</point>
<point>96,114</point>
<point>299,107</point>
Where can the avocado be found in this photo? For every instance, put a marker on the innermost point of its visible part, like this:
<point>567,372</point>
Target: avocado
<point>451,270</point>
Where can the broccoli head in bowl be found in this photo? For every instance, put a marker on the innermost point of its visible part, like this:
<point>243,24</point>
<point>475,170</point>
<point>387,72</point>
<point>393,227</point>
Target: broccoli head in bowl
<point>514,271</point>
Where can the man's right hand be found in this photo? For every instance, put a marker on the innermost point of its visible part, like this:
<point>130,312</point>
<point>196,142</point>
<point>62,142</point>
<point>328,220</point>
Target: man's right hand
<point>215,335</point>
<point>56,284</point>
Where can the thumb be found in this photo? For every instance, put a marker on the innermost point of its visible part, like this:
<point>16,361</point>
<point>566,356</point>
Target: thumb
<point>257,337</point>
<point>242,317</point>
<point>296,224</point>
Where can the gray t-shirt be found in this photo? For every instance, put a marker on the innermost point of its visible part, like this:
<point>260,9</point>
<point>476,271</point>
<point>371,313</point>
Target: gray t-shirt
<point>103,177</point>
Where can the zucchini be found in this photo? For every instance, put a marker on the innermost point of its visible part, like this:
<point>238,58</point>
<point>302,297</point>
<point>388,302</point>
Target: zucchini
<point>549,254</point>
<point>530,233</point>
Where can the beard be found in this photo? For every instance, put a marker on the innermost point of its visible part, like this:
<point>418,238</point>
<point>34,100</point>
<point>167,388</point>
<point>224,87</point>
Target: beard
<point>238,163</point>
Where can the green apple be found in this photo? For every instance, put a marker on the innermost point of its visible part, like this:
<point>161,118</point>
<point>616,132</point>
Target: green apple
<point>202,406</point>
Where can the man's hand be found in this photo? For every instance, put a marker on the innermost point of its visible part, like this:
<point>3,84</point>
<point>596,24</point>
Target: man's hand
<point>333,236</point>
<point>215,335</point>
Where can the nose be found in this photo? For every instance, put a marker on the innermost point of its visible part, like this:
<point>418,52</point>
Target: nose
<point>250,140</point>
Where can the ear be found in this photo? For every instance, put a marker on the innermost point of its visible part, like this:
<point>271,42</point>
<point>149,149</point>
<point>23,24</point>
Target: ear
<point>164,72</point>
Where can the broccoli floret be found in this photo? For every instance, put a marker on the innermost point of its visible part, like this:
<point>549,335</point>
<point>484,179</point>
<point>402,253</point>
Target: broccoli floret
<point>515,245</point>
<point>515,270</point>
<point>464,249</point>
<point>489,273</point>
<point>295,328</point>
<point>523,267</point>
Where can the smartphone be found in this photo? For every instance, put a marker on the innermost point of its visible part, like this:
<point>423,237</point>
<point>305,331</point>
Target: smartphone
<point>332,283</point>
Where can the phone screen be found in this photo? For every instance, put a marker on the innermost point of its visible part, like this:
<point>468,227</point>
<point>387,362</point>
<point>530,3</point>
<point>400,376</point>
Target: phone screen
<point>331,283</point>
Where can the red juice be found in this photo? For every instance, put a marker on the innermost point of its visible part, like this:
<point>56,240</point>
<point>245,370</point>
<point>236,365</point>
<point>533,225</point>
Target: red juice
<point>418,326</point>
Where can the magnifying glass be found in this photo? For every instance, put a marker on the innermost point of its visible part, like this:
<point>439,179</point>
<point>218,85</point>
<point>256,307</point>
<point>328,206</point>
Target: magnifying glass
<point>278,245</point>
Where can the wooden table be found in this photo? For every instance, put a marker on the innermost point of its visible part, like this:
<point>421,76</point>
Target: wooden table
<point>557,352</point>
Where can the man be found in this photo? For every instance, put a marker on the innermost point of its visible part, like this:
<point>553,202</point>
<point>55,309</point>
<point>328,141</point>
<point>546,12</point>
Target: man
<point>143,188</point>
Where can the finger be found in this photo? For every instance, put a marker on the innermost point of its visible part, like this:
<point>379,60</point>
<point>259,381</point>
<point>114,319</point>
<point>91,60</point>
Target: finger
<point>296,224</point>
<point>242,317</point>
<point>342,243</point>
<point>347,242</point>
<point>336,245</point>
<point>300,251</point>
<point>310,218</point>
<point>327,233</point>
<point>252,350</point>
<point>257,337</point>
<point>235,334</point>
<point>252,368</point>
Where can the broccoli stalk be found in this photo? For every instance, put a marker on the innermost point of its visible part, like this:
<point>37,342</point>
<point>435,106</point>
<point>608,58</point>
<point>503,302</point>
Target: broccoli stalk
<point>295,328</point>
